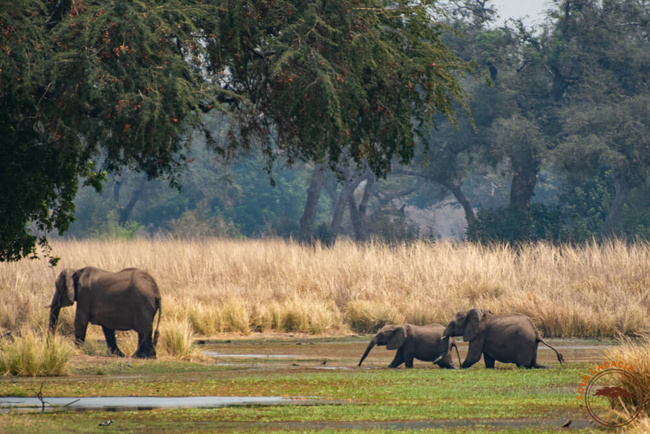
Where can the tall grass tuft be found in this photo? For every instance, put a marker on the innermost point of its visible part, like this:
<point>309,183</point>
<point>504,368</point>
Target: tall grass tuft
<point>34,355</point>
<point>636,354</point>
<point>177,341</point>
<point>639,426</point>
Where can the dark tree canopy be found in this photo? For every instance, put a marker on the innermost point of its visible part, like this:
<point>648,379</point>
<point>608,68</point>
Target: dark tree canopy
<point>332,80</point>
<point>89,87</point>
<point>80,81</point>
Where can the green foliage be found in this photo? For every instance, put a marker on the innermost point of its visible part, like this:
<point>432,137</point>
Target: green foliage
<point>338,80</point>
<point>77,78</point>
<point>516,225</point>
<point>125,83</point>
<point>111,229</point>
<point>392,228</point>
<point>586,206</point>
<point>198,223</point>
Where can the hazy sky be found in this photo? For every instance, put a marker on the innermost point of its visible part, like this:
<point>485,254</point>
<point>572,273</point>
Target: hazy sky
<point>519,8</point>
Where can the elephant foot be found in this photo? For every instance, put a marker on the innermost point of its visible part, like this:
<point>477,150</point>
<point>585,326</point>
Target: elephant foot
<point>117,352</point>
<point>144,356</point>
<point>446,366</point>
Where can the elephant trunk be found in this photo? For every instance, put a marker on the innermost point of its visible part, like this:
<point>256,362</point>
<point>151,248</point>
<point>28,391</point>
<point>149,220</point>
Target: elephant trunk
<point>55,309</point>
<point>370,345</point>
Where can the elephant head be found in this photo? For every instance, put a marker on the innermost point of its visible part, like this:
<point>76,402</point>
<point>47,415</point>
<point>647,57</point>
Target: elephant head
<point>63,296</point>
<point>465,324</point>
<point>393,336</point>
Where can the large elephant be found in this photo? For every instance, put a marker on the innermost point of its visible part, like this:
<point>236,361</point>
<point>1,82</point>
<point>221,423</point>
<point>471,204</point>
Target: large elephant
<point>506,338</point>
<point>414,342</point>
<point>126,300</point>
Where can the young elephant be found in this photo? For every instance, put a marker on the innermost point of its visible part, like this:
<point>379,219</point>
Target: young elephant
<point>126,300</point>
<point>506,338</point>
<point>420,342</point>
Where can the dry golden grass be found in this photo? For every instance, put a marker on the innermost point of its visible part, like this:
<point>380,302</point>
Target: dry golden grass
<point>177,342</point>
<point>34,353</point>
<point>219,286</point>
<point>636,354</point>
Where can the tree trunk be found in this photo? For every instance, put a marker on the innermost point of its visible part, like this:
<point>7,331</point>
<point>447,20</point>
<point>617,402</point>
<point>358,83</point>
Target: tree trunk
<point>126,211</point>
<point>616,208</point>
<point>305,234</point>
<point>455,189</point>
<point>358,214</point>
<point>355,218</point>
<point>349,187</point>
<point>524,178</point>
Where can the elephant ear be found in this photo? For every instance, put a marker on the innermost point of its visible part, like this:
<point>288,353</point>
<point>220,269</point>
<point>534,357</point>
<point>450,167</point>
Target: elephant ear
<point>65,287</point>
<point>472,323</point>
<point>398,338</point>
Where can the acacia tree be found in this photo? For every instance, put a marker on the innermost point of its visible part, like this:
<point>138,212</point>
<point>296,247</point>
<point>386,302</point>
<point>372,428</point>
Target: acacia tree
<point>126,82</point>
<point>337,80</point>
<point>80,81</point>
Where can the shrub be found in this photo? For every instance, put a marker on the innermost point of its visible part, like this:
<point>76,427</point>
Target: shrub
<point>35,355</point>
<point>513,225</point>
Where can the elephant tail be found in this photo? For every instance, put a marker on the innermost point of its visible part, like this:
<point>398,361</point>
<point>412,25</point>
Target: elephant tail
<point>156,333</point>
<point>560,357</point>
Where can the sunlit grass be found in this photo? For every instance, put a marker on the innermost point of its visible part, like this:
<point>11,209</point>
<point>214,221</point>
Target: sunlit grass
<point>230,286</point>
<point>34,354</point>
<point>636,354</point>
<point>177,342</point>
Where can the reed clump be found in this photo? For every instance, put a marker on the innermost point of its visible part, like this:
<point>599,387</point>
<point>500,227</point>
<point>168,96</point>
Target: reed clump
<point>177,341</point>
<point>244,286</point>
<point>34,354</point>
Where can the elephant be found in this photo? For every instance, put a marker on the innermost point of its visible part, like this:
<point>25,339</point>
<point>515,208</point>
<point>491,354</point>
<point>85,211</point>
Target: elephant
<point>506,338</point>
<point>411,341</point>
<point>126,300</point>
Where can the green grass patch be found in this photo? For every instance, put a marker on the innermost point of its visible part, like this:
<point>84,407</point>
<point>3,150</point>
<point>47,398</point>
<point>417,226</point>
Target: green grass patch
<point>378,395</point>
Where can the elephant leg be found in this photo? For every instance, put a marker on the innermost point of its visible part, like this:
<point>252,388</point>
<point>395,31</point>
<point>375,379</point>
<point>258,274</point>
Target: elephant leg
<point>473,354</point>
<point>80,326</point>
<point>534,363</point>
<point>489,361</point>
<point>145,346</point>
<point>398,360</point>
<point>109,334</point>
<point>408,358</point>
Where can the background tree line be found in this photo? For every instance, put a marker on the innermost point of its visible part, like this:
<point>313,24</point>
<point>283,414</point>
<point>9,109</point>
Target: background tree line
<point>323,138</point>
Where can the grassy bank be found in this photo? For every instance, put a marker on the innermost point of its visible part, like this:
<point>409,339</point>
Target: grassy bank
<point>351,396</point>
<point>218,286</point>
